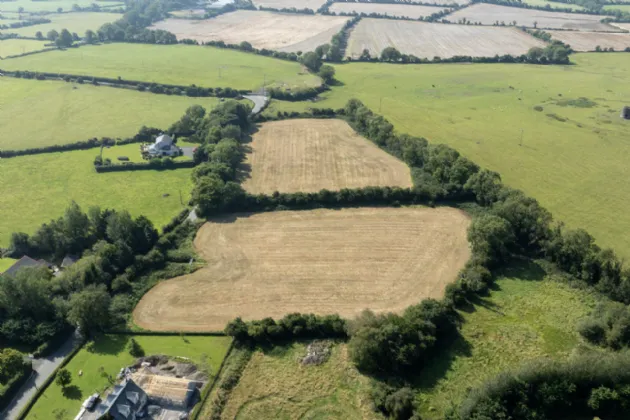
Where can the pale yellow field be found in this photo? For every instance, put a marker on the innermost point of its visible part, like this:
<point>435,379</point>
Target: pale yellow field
<point>287,32</point>
<point>287,4</point>
<point>588,41</point>
<point>320,261</point>
<point>622,26</point>
<point>428,40</point>
<point>489,14</point>
<point>398,10</point>
<point>309,155</point>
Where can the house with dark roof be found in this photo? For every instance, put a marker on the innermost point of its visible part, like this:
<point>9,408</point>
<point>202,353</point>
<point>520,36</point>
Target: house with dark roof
<point>26,262</point>
<point>127,401</point>
<point>68,261</point>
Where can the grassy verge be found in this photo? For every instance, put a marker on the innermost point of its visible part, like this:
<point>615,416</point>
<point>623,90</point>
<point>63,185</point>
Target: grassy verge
<point>5,263</point>
<point>186,65</point>
<point>111,354</point>
<point>529,315</point>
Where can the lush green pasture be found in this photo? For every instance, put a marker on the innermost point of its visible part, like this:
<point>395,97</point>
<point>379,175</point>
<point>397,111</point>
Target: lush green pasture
<point>35,189</point>
<point>552,4</point>
<point>622,7</point>
<point>574,160</point>
<point>5,263</point>
<point>74,22</point>
<point>43,113</point>
<point>527,316</point>
<point>52,5</point>
<point>275,385</point>
<point>20,46</point>
<point>111,354</point>
<point>172,64</point>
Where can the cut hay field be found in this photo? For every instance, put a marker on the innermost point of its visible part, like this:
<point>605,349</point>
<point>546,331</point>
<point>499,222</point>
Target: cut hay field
<point>577,168</point>
<point>310,155</point>
<point>287,32</point>
<point>19,46</point>
<point>488,14</point>
<point>53,5</point>
<point>203,66</point>
<point>434,39</point>
<point>529,315</point>
<point>74,22</point>
<point>275,385</point>
<point>110,353</point>
<point>287,4</point>
<point>320,261</point>
<point>589,41</point>
<point>38,188</point>
<point>37,113</point>
<point>622,26</point>
<point>398,10</point>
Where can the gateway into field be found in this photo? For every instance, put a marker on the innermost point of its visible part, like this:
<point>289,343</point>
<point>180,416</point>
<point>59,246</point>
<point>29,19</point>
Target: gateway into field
<point>320,261</point>
<point>307,155</point>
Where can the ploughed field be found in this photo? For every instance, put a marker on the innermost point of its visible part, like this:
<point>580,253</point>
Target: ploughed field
<point>320,261</point>
<point>307,155</point>
<point>286,32</point>
<point>398,10</point>
<point>428,40</point>
<point>489,14</point>
<point>589,41</point>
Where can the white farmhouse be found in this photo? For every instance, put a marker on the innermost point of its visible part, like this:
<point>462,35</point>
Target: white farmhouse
<point>163,146</point>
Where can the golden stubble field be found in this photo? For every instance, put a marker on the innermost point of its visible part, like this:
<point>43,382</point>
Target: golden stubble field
<point>320,261</point>
<point>399,10</point>
<point>428,40</point>
<point>288,32</point>
<point>308,155</point>
<point>588,41</point>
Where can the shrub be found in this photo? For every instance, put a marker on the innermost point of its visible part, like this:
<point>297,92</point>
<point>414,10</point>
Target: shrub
<point>135,349</point>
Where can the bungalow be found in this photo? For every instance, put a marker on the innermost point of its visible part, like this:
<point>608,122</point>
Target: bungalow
<point>26,262</point>
<point>164,146</point>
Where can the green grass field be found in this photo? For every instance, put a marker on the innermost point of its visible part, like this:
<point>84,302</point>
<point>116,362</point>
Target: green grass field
<point>172,64</point>
<point>529,316</point>
<point>275,385</point>
<point>52,5</point>
<point>552,4</point>
<point>43,113</point>
<point>5,263</point>
<point>20,46</point>
<point>573,160</point>
<point>622,7</point>
<point>38,188</point>
<point>74,22</point>
<point>111,353</point>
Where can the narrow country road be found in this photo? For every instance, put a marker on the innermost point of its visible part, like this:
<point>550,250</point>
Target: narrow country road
<point>43,368</point>
<point>260,101</point>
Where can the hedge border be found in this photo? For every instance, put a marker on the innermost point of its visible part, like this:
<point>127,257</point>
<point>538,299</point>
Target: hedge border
<point>15,384</point>
<point>122,167</point>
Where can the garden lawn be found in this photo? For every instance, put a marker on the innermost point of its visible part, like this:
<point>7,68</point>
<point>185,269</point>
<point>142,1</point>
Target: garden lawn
<point>111,353</point>
<point>5,263</point>
<point>78,22</point>
<point>573,159</point>
<point>20,46</point>
<point>171,64</point>
<point>45,113</point>
<point>529,315</point>
<point>132,151</point>
<point>35,189</point>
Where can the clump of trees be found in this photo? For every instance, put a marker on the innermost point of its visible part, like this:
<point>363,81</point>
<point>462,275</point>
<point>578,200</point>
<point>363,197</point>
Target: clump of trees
<point>608,326</point>
<point>11,364</point>
<point>291,327</point>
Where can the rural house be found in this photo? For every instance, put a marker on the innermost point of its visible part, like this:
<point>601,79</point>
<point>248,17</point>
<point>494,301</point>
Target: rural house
<point>164,146</point>
<point>26,262</point>
<point>126,402</point>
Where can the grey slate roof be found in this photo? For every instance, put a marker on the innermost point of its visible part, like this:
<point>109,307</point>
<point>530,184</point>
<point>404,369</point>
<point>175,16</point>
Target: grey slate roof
<point>25,262</point>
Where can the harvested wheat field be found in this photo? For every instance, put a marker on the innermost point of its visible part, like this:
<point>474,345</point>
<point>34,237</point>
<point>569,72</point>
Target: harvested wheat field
<point>287,4</point>
<point>428,40</point>
<point>287,32</point>
<point>489,14</point>
<point>310,154</point>
<point>622,26</point>
<point>319,261</point>
<point>588,41</point>
<point>396,10</point>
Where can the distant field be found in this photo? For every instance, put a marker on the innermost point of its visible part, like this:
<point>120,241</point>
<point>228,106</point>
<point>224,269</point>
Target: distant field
<point>525,318</point>
<point>53,5</point>
<point>435,39</point>
<point>275,385</point>
<point>19,46</point>
<point>203,66</point>
<point>111,354</point>
<point>189,13</point>
<point>488,14</point>
<point>5,263</point>
<point>553,4</point>
<point>588,41</point>
<point>274,31</point>
<point>287,4</point>
<point>623,26</point>
<point>74,22</point>
<point>622,7</point>
<point>309,155</point>
<point>577,168</point>
<point>401,10</point>
<point>320,261</point>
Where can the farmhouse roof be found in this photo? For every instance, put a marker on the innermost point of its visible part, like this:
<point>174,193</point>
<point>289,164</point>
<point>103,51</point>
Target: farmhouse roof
<point>25,262</point>
<point>69,260</point>
<point>124,402</point>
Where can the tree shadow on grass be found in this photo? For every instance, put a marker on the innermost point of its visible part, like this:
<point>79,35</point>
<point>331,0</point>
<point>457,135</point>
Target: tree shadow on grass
<point>108,344</point>
<point>523,269</point>
<point>72,392</point>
